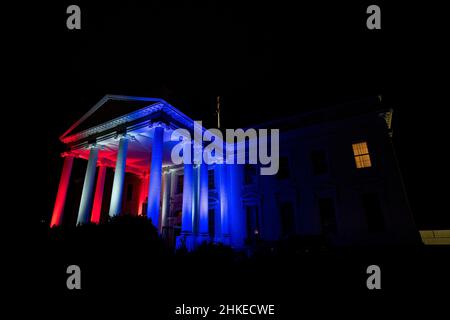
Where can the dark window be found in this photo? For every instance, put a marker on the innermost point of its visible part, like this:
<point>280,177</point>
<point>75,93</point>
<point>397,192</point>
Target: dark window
<point>374,214</point>
<point>211,222</point>
<point>129,192</point>
<point>327,215</point>
<point>180,179</point>
<point>283,170</point>
<point>250,174</point>
<point>252,215</point>
<point>287,219</point>
<point>211,182</point>
<point>319,162</point>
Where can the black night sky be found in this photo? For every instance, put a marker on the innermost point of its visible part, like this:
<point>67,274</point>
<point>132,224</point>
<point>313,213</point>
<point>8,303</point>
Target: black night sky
<point>266,60</point>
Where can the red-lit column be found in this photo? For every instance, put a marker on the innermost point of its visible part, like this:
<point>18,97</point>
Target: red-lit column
<point>58,209</point>
<point>143,193</point>
<point>98,197</point>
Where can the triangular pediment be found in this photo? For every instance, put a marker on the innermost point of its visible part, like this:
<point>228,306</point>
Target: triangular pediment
<point>114,111</point>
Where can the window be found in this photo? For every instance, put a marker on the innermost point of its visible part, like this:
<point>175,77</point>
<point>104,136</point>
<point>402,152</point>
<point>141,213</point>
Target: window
<point>180,179</point>
<point>327,215</point>
<point>319,162</point>
<point>362,157</point>
<point>129,192</point>
<point>283,171</point>
<point>211,183</point>
<point>374,214</point>
<point>250,174</point>
<point>287,219</point>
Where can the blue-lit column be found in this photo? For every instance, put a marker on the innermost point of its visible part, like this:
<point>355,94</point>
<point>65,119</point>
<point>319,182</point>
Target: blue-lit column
<point>187,210</point>
<point>236,216</point>
<point>154,190</point>
<point>119,178</point>
<point>223,227</point>
<point>167,180</point>
<point>203,232</point>
<point>195,198</point>
<point>87,194</point>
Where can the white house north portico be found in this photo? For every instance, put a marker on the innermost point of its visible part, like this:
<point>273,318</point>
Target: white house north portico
<point>335,176</point>
<point>132,136</point>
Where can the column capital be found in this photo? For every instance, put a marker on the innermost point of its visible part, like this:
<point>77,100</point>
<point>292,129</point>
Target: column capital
<point>122,135</point>
<point>68,154</point>
<point>92,145</point>
<point>103,162</point>
<point>160,124</point>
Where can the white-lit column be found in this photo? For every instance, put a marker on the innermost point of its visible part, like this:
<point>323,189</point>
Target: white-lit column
<point>61,196</point>
<point>167,180</point>
<point>88,187</point>
<point>119,178</point>
<point>154,190</point>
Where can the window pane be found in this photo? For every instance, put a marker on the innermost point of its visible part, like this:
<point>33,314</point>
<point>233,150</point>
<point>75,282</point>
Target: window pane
<point>361,153</point>
<point>366,161</point>
<point>360,148</point>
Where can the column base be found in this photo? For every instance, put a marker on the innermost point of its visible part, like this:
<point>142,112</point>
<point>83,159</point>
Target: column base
<point>186,241</point>
<point>201,238</point>
<point>226,239</point>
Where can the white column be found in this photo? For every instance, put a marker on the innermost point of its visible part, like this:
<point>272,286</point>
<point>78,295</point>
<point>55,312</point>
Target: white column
<point>203,203</point>
<point>188,185</point>
<point>154,190</point>
<point>119,178</point>
<point>224,194</point>
<point>88,188</point>
<point>221,213</point>
<point>236,215</point>
<point>167,180</point>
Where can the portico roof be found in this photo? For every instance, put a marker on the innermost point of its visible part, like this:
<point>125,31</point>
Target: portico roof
<point>115,112</point>
<point>135,116</point>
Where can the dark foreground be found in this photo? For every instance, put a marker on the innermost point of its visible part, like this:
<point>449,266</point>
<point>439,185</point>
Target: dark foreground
<point>126,270</point>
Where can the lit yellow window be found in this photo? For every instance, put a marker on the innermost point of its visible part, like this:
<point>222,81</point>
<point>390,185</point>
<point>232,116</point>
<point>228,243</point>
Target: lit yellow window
<point>362,156</point>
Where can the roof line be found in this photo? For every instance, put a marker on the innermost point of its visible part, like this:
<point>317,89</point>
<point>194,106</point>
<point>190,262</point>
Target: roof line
<point>102,102</point>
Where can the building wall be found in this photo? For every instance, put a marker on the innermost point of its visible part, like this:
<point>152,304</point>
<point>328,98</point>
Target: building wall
<point>342,183</point>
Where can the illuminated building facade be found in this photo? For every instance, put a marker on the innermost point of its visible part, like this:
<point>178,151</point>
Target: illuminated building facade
<point>336,178</point>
